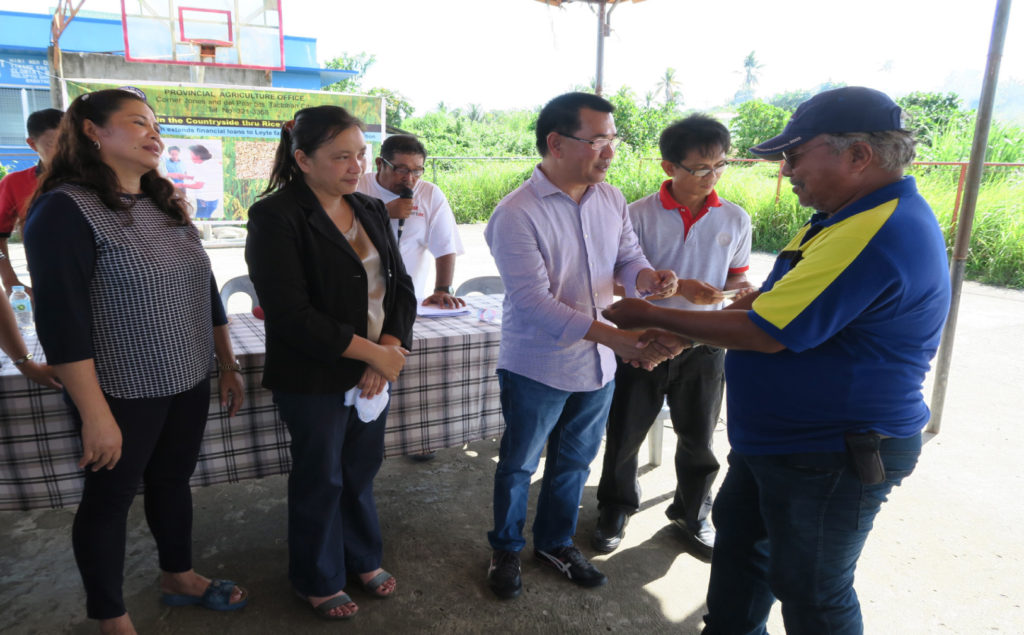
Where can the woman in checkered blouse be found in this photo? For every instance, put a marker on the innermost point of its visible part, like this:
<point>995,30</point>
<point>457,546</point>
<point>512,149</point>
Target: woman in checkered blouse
<point>128,313</point>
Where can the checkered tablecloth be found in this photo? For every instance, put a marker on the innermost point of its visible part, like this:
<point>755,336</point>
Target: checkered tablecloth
<point>447,395</point>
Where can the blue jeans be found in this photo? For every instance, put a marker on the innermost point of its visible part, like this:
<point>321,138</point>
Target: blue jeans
<point>571,424</point>
<point>791,527</point>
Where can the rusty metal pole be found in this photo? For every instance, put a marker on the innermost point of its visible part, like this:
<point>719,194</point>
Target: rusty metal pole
<point>963,235</point>
<point>63,14</point>
<point>959,195</point>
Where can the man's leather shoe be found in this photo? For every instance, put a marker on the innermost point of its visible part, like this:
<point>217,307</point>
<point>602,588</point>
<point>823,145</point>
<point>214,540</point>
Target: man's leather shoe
<point>611,528</point>
<point>699,536</point>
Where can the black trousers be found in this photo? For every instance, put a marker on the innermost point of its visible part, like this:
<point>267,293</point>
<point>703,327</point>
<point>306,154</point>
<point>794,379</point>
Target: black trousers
<point>160,445</point>
<point>693,384</point>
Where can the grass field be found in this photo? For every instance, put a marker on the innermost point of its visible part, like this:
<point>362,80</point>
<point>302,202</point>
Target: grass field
<point>996,254</point>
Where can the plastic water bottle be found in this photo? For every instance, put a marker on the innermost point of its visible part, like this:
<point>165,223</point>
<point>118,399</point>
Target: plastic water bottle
<point>488,315</point>
<point>22,305</point>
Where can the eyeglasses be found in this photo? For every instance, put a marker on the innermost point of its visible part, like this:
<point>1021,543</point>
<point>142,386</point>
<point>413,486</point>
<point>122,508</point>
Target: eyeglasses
<point>597,144</point>
<point>718,169</point>
<point>790,157</point>
<point>401,170</point>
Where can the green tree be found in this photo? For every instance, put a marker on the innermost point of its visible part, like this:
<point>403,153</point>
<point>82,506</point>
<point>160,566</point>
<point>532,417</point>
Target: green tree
<point>828,85</point>
<point>790,99</point>
<point>932,114</point>
<point>496,133</point>
<point>640,125</point>
<point>756,121</point>
<point>751,68</point>
<point>670,86</point>
<point>396,107</point>
<point>360,62</point>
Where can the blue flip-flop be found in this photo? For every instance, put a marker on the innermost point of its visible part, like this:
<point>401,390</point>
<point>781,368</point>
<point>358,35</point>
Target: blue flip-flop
<point>217,597</point>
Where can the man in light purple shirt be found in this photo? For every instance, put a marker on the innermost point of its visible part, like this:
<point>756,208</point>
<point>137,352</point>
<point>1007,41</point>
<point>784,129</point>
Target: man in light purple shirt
<point>561,242</point>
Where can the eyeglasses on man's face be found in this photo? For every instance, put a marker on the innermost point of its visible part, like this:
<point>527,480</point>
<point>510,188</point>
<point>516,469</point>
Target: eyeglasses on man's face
<point>598,144</point>
<point>401,170</point>
<point>791,157</point>
<point>718,169</point>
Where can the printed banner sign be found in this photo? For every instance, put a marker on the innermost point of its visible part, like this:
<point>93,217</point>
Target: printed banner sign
<point>24,69</point>
<point>219,142</point>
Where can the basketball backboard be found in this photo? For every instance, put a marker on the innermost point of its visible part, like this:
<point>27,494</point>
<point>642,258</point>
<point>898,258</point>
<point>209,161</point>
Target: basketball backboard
<point>234,33</point>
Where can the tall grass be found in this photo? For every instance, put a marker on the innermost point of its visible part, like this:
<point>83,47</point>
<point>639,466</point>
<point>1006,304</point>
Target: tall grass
<point>997,243</point>
<point>996,251</point>
<point>474,188</point>
<point>953,143</point>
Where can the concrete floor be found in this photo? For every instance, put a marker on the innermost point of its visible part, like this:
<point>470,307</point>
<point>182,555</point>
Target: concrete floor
<point>941,559</point>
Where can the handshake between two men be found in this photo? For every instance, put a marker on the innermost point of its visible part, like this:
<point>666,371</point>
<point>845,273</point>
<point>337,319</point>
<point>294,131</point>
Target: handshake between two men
<point>649,347</point>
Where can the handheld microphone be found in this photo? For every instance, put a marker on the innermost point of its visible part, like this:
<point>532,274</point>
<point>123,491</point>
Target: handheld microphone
<point>406,193</point>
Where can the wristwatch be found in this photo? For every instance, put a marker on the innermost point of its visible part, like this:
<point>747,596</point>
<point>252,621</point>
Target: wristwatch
<point>226,366</point>
<point>450,290</point>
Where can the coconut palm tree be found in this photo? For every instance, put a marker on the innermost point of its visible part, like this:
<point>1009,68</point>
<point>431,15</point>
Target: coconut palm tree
<point>750,69</point>
<point>670,85</point>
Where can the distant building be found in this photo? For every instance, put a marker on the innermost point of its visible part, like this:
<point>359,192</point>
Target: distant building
<point>93,47</point>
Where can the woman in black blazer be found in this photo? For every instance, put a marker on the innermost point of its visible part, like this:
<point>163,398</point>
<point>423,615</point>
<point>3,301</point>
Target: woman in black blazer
<point>339,312</point>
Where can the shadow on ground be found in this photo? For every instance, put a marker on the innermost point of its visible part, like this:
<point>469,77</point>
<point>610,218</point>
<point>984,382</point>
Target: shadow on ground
<point>434,517</point>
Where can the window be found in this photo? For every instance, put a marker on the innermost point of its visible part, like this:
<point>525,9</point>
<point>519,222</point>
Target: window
<point>16,104</point>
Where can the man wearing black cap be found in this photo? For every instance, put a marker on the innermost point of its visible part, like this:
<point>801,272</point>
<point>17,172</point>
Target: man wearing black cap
<point>825,369</point>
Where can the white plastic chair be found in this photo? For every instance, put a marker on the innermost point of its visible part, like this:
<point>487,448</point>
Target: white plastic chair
<point>482,284</point>
<point>240,284</point>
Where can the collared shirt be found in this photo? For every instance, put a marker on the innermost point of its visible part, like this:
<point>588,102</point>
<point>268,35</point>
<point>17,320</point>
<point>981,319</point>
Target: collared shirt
<point>15,190</point>
<point>429,231</point>
<point>858,299</point>
<point>559,260</point>
<point>717,246</point>
<point>689,218</point>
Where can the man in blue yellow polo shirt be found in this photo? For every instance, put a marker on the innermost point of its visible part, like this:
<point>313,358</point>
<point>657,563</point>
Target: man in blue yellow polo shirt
<point>824,371</point>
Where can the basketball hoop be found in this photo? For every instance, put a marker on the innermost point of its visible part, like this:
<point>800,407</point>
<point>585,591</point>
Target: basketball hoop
<point>231,33</point>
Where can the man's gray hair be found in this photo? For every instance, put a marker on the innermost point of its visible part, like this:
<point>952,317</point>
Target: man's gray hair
<point>894,148</point>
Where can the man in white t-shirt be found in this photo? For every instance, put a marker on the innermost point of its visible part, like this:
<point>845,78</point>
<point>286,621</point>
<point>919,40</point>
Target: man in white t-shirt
<point>687,228</point>
<point>423,223</point>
